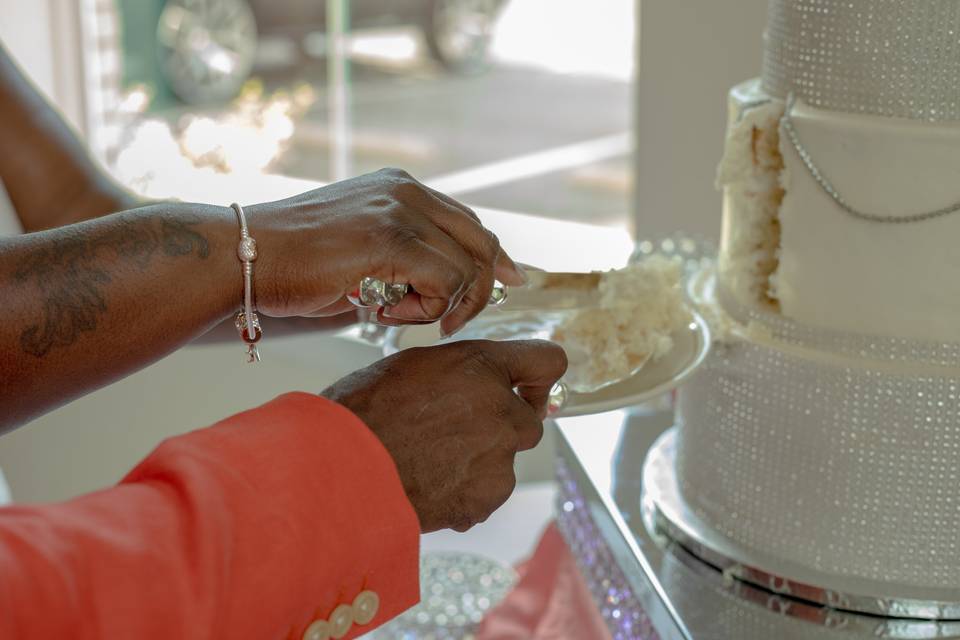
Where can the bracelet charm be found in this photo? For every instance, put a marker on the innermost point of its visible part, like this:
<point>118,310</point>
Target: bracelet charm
<point>253,354</point>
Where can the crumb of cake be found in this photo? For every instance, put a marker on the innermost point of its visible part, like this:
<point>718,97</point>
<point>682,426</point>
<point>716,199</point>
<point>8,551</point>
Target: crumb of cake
<point>640,308</point>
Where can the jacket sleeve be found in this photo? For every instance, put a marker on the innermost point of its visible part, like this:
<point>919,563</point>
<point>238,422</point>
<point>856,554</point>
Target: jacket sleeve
<point>288,521</point>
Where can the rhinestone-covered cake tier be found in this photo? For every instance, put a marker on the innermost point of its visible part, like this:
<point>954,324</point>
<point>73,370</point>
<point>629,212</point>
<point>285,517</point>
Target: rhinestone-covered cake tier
<point>898,58</point>
<point>847,470</point>
<point>832,469</point>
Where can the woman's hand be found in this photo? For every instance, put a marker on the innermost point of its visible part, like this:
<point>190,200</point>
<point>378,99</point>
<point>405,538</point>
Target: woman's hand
<point>316,247</point>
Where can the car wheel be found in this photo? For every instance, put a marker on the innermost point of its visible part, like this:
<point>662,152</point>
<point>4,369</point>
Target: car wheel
<point>206,48</point>
<point>459,32</point>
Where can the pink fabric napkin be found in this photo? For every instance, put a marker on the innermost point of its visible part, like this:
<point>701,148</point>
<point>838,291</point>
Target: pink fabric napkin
<point>550,601</point>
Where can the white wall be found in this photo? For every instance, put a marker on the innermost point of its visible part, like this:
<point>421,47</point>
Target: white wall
<point>25,28</point>
<point>44,37</point>
<point>690,54</point>
<point>94,441</point>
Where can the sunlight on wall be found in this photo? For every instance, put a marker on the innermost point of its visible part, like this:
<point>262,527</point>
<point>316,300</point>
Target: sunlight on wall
<point>569,36</point>
<point>562,36</point>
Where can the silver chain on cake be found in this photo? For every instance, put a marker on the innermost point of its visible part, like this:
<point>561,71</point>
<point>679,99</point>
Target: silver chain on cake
<point>892,58</point>
<point>827,186</point>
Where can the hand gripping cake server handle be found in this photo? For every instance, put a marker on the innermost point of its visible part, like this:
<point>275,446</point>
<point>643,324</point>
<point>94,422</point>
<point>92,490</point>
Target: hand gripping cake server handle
<point>544,291</point>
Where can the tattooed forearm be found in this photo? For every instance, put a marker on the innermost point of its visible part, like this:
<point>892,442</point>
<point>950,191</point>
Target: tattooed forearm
<point>72,276</point>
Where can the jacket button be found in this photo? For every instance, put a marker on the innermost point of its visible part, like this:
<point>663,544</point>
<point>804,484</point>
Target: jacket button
<point>365,607</point>
<point>319,630</point>
<point>340,621</point>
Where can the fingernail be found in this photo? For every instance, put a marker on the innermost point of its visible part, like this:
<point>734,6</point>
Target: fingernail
<point>522,273</point>
<point>445,335</point>
<point>388,313</point>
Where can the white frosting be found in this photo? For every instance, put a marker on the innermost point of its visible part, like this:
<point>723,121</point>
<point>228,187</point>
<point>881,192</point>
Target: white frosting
<point>839,272</point>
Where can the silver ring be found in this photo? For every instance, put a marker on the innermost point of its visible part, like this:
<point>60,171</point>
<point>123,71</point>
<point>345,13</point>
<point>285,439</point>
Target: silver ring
<point>557,400</point>
<point>374,292</point>
<point>377,293</point>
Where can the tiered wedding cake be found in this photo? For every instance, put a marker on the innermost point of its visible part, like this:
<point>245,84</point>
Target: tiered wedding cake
<point>818,451</point>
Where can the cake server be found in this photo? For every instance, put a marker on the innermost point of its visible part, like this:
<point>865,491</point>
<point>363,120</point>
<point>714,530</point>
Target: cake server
<point>544,290</point>
<point>547,290</point>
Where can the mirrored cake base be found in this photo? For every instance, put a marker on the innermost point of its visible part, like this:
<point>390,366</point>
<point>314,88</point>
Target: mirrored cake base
<point>647,584</point>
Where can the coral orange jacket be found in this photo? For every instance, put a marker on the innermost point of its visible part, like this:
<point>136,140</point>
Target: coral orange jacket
<point>288,521</point>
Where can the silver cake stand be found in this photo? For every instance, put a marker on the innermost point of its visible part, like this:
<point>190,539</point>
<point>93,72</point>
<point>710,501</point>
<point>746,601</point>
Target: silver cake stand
<point>665,510</point>
<point>647,584</point>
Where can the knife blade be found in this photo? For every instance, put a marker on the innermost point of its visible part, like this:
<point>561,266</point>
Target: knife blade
<point>546,290</point>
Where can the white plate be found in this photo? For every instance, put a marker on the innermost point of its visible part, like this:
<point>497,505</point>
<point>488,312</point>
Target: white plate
<point>690,348</point>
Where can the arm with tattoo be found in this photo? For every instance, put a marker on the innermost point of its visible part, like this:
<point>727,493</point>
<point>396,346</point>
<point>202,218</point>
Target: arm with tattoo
<point>92,302</point>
